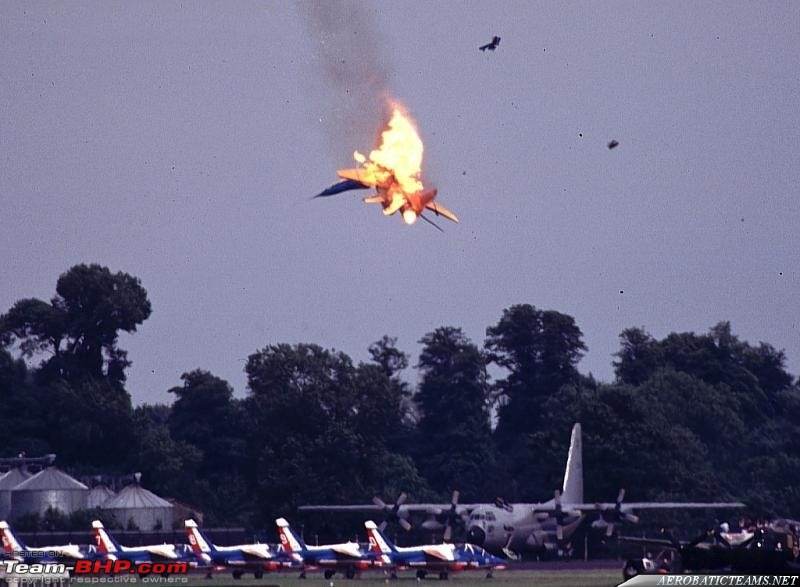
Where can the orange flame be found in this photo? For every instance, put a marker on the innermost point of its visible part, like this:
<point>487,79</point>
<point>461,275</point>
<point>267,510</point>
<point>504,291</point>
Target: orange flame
<point>399,155</point>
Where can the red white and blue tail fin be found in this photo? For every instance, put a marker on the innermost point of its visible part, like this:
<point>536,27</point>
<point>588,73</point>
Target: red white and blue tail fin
<point>197,540</point>
<point>105,543</point>
<point>289,541</point>
<point>378,542</point>
<point>10,542</point>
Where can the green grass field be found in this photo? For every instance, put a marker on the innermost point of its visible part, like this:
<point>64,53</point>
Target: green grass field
<point>566,578</point>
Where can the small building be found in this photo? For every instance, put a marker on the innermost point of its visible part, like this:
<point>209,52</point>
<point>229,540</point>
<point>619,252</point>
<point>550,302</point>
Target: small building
<point>136,507</point>
<point>49,488</point>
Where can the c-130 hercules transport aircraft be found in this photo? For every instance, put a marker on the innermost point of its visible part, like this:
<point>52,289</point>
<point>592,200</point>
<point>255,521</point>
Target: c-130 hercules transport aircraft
<point>516,528</point>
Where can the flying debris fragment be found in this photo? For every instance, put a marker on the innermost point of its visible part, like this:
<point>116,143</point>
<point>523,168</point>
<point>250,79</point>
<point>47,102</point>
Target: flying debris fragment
<point>613,144</point>
<point>393,170</point>
<point>492,45</point>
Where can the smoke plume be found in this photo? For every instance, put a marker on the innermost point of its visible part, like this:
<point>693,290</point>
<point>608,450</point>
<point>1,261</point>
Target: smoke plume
<point>350,57</point>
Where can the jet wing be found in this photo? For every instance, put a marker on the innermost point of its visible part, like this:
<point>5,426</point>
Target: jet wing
<point>701,542</point>
<point>363,176</point>
<point>342,186</point>
<point>422,508</point>
<point>256,551</point>
<point>639,505</point>
<point>440,210</point>
<point>163,551</point>
<point>366,507</point>
<point>438,552</point>
<point>648,541</point>
<point>672,505</point>
<point>437,508</point>
<point>348,549</point>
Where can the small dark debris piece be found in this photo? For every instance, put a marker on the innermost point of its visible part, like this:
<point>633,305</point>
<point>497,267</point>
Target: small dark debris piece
<point>620,291</point>
<point>580,134</point>
<point>613,144</point>
<point>492,45</point>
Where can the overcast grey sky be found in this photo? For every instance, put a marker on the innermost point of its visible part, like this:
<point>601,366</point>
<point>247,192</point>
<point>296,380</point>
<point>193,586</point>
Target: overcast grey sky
<point>181,142</point>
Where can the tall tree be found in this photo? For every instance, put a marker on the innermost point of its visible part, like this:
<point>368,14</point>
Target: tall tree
<point>735,399</point>
<point>386,433</point>
<point>540,350</point>
<point>89,422</point>
<point>80,326</point>
<point>19,396</point>
<point>385,353</point>
<point>80,381</point>
<point>204,414</point>
<point>638,358</point>
<point>307,434</point>
<point>168,466</point>
<point>454,431</point>
<point>386,397</point>
<point>207,417</point>
<point>719,358</point>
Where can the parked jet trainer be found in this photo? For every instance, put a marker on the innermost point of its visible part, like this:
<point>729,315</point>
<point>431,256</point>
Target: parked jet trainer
<point>256,558</point>
<point>516,528</point>
<point>346,556</point>
<point>442,558</point>
<point>109,549</point>
<point>15,549</point>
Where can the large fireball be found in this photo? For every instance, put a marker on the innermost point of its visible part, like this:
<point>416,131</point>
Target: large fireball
<point>400,154</point>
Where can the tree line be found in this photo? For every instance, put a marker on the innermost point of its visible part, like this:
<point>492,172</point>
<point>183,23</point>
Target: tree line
<point>691,416</point>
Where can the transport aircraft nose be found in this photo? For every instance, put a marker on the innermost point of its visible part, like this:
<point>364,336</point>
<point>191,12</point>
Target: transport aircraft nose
<point>476,535</point>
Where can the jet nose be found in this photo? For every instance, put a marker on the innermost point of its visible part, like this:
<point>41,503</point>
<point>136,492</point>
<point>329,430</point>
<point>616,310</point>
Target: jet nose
<point>476,535</point>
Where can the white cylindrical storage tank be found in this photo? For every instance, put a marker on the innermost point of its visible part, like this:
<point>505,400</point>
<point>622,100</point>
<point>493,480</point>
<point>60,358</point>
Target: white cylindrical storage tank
<point>8,482</point>
<point>136,506</point>
<point>98,495</point>
<point>49,488</point>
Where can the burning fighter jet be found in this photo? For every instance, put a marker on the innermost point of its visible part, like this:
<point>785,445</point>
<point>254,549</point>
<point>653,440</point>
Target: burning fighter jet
<point>393,170</point>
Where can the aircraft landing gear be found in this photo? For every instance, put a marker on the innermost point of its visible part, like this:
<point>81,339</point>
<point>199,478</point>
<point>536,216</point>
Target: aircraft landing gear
<point>329,573</point>
<point>350,573</point>
<point>443,576</point>
<point>302,574</point>
<point>421,574</point>
<point>237,574</point>
<point>393,576</point>
<point>258,574</point>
